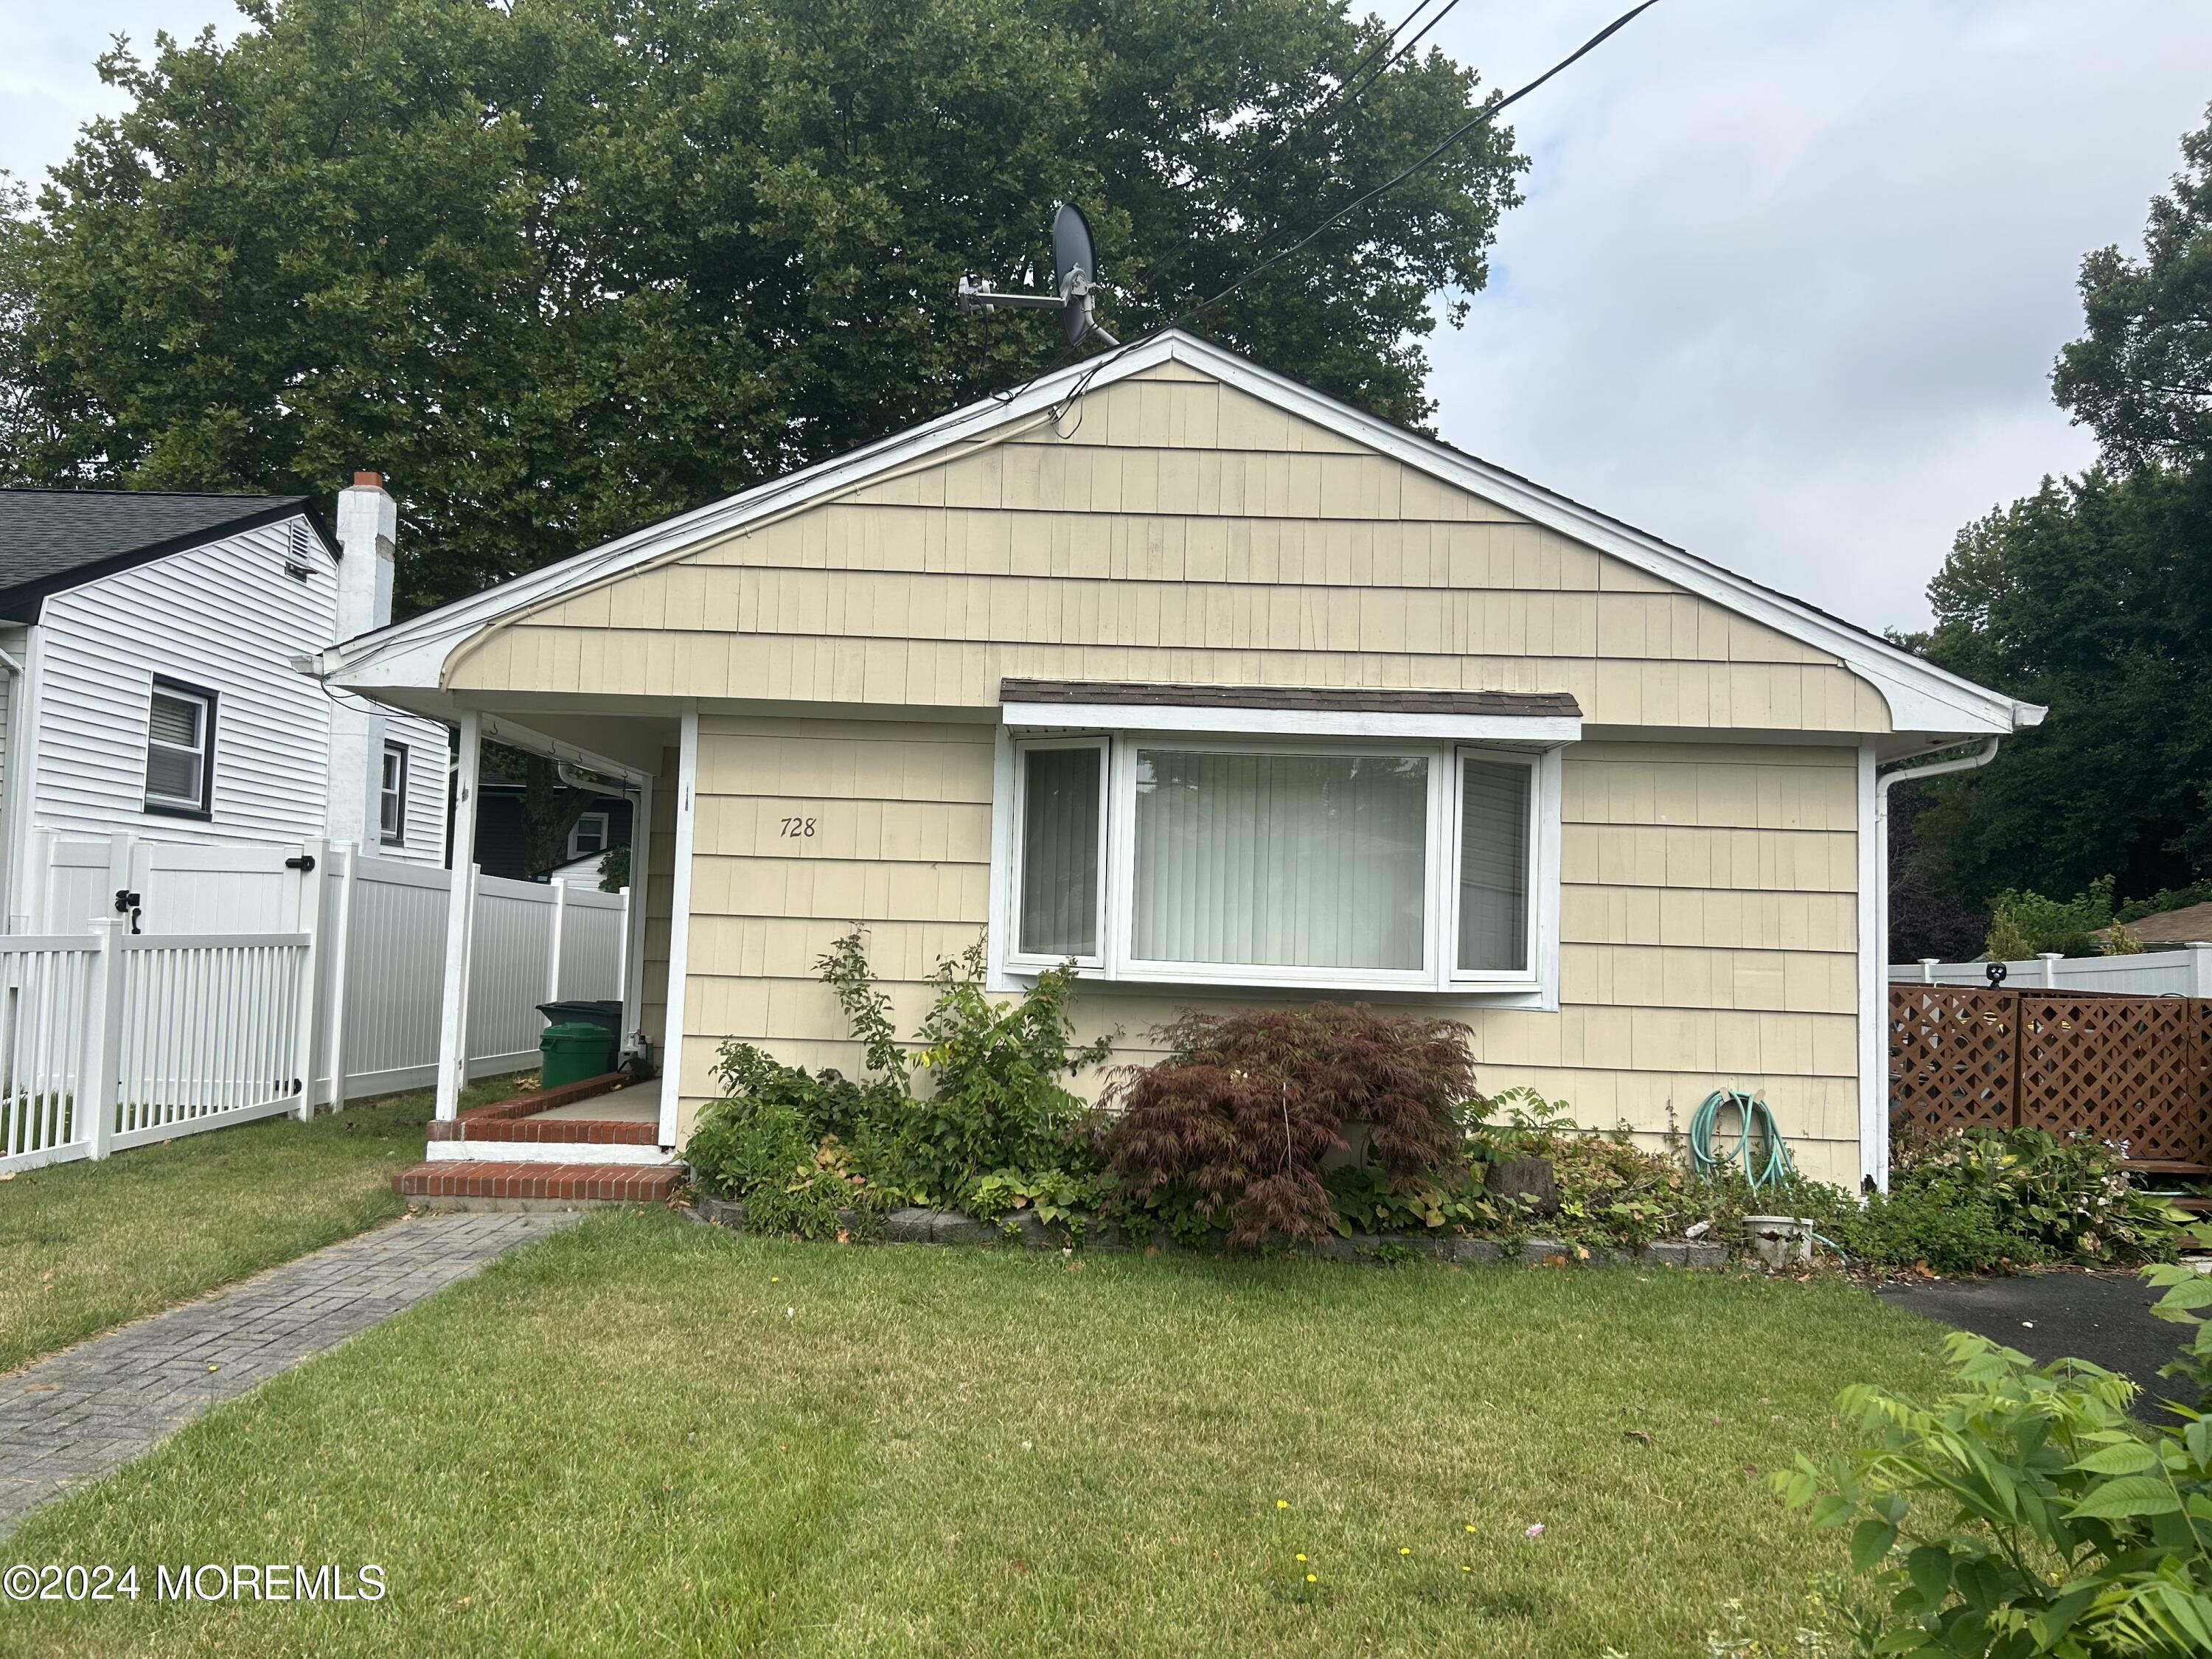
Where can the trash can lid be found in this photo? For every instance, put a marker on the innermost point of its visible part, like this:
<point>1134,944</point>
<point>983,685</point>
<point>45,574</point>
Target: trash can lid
<point>598,1012</point>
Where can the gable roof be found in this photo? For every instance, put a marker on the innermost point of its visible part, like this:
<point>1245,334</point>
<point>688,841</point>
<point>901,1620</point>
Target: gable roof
<point>1922,696</point>
<point>52,539</point>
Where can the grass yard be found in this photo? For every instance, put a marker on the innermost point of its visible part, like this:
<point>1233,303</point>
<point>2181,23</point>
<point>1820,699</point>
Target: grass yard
<point>85,1247</point>
<point>646,1437</point>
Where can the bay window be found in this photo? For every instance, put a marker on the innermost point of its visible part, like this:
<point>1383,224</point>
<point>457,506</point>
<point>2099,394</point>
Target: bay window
<point>1322,861</point>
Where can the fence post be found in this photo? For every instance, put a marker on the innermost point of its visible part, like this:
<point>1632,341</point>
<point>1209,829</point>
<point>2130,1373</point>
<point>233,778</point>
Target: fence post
<point>121,855</point>
<point>314,860</point>
<point>553,953</point>
<point>2200,969</point>
<point>341,961</point>
<point>1927,971</point>
<point>103,1033</point>
<point>2051,959</point>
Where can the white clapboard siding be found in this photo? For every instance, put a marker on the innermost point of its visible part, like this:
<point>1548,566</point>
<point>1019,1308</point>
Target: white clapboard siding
<point>225,618</point>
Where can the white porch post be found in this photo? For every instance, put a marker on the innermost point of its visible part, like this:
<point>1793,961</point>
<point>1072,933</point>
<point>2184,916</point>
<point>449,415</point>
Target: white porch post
<point>634,902</point>
<point>679,927</point>
<point>460,919</point>
<point>559,885</point>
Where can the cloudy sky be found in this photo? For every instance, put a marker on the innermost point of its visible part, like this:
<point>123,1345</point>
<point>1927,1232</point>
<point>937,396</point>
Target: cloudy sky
<point>1790,275</point>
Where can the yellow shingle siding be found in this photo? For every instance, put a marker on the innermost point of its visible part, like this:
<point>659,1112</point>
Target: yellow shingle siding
<point>1708,916</point>
<point>1179,530</point>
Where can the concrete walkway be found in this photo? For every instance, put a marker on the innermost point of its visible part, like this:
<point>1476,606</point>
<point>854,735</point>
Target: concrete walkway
<point>72,1418</point>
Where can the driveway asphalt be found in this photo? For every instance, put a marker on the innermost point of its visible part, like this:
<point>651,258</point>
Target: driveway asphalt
<point>2104,1318</point>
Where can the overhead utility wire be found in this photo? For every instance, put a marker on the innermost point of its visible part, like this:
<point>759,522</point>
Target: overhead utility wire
<point>1398,54</point>
<point>1381,46</point>
<point>1489,112</point>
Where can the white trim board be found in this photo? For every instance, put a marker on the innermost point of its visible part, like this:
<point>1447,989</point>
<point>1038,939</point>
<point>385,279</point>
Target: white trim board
<point>1537,731</point>
<point>1921,696</point>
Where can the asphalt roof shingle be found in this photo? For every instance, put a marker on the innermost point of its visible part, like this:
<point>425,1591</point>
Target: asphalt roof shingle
<point>49,533</point>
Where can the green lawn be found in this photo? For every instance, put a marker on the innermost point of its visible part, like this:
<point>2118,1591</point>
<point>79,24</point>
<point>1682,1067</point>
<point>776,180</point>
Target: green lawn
<point>86,1246</point>
<point>648,1436</point>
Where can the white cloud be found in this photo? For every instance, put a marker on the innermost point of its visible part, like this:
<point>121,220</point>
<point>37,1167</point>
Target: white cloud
<point>1789,278</point>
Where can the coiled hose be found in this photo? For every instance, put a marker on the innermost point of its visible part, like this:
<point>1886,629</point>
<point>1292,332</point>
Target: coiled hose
<point>1773,1169</point>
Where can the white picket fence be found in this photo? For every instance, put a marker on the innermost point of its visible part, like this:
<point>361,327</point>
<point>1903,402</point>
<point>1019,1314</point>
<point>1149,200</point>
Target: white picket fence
<point>2184,973</point>
<point>169,1031</point>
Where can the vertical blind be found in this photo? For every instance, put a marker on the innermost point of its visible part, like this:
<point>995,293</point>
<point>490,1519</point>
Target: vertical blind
<point>1280,860</point>
<point>1493,866</point>
<point>1061,790</point>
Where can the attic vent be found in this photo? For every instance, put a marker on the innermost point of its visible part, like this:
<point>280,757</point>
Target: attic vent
<point>298,548</point>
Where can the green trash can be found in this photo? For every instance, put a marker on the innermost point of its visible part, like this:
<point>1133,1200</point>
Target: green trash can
<point>572,1052</point>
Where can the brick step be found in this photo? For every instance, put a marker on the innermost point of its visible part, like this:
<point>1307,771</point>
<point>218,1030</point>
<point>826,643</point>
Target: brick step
<point>552,1130</point>
<point>566,1184</point>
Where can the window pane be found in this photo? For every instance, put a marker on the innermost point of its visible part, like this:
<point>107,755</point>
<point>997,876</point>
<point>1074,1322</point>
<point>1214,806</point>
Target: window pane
<point>1280,861</point>
<point>174,775</point>
<point>1059,852</point>
<point>392,769</point>
<point>1493,867</point>
<point>175,720</point>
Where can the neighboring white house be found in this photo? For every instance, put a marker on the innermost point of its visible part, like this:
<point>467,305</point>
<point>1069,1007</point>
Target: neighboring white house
<point>149,644</point>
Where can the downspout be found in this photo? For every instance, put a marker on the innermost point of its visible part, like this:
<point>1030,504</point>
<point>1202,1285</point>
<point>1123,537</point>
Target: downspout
<point>1884,781</point>
<point>11,766</point>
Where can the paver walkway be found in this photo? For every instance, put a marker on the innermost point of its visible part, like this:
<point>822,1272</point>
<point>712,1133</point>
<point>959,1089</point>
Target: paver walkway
<point>74,1417</point>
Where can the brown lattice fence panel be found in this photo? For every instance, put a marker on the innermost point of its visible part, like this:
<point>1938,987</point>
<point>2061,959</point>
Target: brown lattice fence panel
<point>1952,1054</point>
<point>2122,1068</point>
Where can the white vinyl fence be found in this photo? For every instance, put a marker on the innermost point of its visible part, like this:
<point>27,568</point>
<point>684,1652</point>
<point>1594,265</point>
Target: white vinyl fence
<point>176,1029</point>
<point>2184,973</point>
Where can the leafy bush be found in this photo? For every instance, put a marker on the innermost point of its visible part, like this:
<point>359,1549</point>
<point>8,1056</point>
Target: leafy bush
<point>998,1102</point>
<point>2027,1513</point>
<point>795,1147</point>
<point>1230,1130</point>
<point>1989,1200</point>
<point>2026,924</point>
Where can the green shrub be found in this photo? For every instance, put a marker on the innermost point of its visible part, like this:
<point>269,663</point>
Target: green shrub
<point>999,1100</point>
<point>2028,1513</point>
<point>795,1147</point>
<point>2026,924</point>
<point>1953,1230</point>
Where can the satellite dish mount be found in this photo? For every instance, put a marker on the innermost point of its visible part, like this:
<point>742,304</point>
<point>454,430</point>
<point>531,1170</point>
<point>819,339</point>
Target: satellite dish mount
<point>1075,281</point>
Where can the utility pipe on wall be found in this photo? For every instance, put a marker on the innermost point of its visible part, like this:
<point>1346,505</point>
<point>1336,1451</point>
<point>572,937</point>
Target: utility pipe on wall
<point>1884,781</point>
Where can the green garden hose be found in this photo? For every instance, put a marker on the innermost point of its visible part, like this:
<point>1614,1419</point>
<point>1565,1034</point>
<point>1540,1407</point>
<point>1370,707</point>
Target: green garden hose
<point>1774,1169</point>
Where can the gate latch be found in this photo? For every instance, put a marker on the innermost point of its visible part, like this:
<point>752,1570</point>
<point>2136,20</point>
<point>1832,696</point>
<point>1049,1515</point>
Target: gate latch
<point>126,904</point>
<point>303,864</point>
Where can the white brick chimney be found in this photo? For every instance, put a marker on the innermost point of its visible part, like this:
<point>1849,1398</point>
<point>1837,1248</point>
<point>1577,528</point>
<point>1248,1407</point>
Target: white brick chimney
<point>367,521</point>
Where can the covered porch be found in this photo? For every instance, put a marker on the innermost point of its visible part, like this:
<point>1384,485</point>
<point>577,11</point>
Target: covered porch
<point>612,1139</point>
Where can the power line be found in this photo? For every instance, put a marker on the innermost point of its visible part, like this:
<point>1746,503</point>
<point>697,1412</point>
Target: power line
<point>1381,46</point>
<point>1399,55</point>
<point>1489,112</point>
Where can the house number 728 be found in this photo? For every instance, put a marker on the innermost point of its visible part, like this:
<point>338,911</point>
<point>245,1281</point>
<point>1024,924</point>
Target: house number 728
<point>798,827</point>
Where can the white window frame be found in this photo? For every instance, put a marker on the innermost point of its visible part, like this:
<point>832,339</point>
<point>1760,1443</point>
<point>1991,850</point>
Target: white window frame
<point>1032,964</point>
<point>606,836</point>
<point>201,805</point>
<point>397,836</point>
<point>1537,987</point>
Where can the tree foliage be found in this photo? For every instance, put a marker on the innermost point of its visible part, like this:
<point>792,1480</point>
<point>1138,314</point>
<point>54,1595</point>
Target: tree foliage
<point>2142,376</point>
<point>2093,596</point>
<point>562,267</point>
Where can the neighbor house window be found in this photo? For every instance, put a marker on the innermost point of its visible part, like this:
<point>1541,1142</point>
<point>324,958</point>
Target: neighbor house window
<point>1263,860</point>
<point>589,836</point>
<point>180,749</point>
<point>392,796</point>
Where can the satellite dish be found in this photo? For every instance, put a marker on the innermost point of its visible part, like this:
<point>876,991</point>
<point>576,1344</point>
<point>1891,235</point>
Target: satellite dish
<point>1074,281</point>
<point>1074,268</point>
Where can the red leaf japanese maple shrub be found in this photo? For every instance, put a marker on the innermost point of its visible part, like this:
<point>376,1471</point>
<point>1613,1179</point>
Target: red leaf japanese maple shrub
<point>1231,1127</point>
